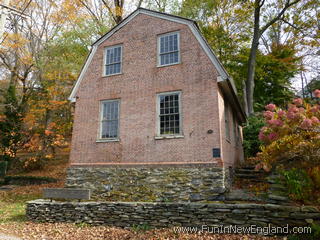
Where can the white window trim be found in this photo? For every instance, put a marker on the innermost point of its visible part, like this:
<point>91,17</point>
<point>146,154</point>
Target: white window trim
<point>158,49</point>
<point>105,60</point>
<point>169,136</point>
<point>100,139</point>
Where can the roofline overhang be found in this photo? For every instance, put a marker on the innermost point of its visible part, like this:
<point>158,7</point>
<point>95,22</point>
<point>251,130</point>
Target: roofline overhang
<point>228,93</point>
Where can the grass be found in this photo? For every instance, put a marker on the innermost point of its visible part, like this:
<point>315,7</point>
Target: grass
<point>13,202</point>
<point>12,212</point>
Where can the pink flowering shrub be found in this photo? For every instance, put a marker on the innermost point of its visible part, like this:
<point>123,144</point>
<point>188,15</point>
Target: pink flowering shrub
<point>291,134</point>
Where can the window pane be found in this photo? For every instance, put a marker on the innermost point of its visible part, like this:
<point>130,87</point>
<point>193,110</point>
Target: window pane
<point>110,119</point>
<point>113,60</point>
<point>169,52</point>
<point>169,114</point>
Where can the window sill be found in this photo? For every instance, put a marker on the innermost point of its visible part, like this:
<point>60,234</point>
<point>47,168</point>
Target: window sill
<point>108,140</point>
<point>168,137</point>
<point>166,65</point>
<point>115,74</point>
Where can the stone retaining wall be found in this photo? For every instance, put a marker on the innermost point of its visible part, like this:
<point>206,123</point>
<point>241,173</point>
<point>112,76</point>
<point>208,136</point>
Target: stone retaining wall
<point>127,214</point>
<point>201,182</point>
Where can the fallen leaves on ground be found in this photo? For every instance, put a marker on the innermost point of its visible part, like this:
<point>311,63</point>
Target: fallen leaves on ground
<point>63,231</point>
<point>26,193</point>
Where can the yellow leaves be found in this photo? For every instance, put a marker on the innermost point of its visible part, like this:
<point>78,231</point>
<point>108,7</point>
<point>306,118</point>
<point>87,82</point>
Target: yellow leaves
<point>48,132</point>
<point>67,11</point>
<point>57,103</point>
<point>16,44</point>
<point>49,156</point>
<point>26,59</point>
<point>9,152</point>
<point>15,41</point>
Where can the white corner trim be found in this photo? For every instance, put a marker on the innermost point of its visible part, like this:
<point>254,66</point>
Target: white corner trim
<point>219,79</point>
<point>205,46</point>
<point>72,96</point>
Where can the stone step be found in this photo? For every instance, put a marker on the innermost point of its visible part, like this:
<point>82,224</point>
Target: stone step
<point>248,167</point>
<point>244,170</point>
<point>278,187</point>
<point>278,198</point>
<point>248,176</point>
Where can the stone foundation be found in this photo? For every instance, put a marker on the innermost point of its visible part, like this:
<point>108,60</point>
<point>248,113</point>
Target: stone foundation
<point>157,184</point>
<point>128,214</point>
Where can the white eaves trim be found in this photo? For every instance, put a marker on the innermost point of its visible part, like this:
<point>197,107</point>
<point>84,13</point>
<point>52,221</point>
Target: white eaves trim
<point>223,75</point>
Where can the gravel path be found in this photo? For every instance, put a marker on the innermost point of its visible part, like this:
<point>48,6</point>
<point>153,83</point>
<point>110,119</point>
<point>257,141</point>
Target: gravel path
<point>7,237</point>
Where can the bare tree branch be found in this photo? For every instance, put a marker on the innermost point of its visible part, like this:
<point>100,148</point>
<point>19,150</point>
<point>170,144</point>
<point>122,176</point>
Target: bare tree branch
<point>278,16</point>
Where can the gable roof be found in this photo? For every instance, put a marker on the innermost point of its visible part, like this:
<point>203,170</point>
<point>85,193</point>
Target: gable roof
<point>223,75</point>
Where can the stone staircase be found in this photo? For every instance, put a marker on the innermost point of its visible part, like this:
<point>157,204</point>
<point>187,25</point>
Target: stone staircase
<point>275,194</point>
<point>249,173</point>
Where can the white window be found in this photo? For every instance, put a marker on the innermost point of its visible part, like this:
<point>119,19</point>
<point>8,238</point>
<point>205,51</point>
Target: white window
<point>169,49</point>
<point>109,128</point>
<point>226,121</point>
<point>169,113</point>
<point>113,60</point>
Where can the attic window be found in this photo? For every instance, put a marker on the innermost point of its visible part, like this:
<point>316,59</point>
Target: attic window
<point>113,60</point>
<point>168,49</point>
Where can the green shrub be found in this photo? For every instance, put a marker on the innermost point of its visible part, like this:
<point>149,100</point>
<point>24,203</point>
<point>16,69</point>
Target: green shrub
<point>251,142</point>
<point>3,168</point>
<point>299,183</point>
<point>140,228</point>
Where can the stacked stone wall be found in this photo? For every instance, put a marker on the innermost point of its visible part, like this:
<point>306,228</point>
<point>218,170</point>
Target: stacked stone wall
<point>128,214</point>
<point>188,183</point>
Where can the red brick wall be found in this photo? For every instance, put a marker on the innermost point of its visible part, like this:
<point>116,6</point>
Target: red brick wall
<point>137,87</point>
<point>232,152</point>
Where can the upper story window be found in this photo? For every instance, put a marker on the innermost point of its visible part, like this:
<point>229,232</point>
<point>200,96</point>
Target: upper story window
<point>169,113</point>
<point>168,49</point>
<point>113,60</point>
<point>109,128</point>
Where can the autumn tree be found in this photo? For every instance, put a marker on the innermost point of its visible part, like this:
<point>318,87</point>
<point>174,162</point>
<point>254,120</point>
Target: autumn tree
<point>10,126</point>
<point>270,17</point>
<point>41,85</point>
<point>107,12</point>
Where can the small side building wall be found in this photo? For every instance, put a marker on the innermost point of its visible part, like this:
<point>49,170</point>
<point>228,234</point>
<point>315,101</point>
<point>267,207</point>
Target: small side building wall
<point>231,144</point>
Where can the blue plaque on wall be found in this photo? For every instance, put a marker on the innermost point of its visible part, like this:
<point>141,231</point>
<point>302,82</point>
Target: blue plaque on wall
<point>216,152</point>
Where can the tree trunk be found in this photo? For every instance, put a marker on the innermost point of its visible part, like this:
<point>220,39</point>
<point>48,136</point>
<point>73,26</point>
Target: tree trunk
<point>118,11</point>
<point>245,97</point>
<point>252,59</point>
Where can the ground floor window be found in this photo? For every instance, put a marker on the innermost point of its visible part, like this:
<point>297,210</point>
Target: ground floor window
<point>109,127</point>
<point>169,113</point>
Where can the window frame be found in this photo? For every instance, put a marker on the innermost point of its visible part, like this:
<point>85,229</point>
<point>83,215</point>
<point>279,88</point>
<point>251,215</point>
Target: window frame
<point>159,47</point>
<point>100,139</point>
<point>235,129</point>
<point>104,72</point>
<point>175,135</point>
<point>227,122</point>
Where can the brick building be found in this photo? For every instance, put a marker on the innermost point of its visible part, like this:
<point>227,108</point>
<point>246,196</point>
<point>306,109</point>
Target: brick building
<point>153,103</point>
